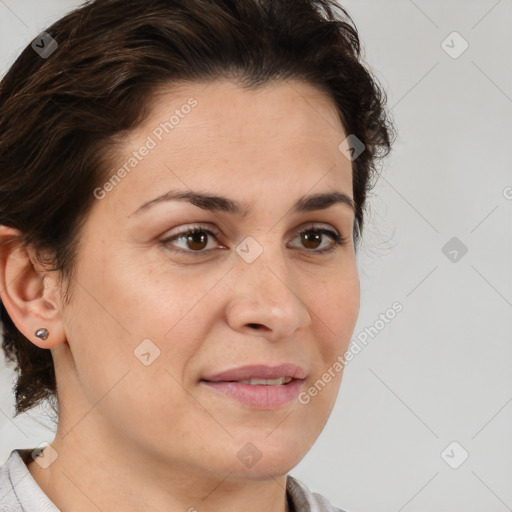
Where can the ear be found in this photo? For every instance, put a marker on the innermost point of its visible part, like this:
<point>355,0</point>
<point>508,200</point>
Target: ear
<point>29,293</point>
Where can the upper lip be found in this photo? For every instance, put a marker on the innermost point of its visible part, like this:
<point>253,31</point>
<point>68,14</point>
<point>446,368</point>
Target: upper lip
<point>259,371</point>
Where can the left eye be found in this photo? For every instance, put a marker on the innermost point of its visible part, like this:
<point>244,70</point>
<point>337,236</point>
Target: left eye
<point>196,240</point>
<point>312,238</point>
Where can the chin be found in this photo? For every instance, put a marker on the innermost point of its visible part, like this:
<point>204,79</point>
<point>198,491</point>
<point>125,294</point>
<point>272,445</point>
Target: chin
<point>261,456</point>
<point>269,469</point>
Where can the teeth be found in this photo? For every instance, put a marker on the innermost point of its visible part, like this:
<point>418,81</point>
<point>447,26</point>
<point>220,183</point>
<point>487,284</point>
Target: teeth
<point>267,382</point>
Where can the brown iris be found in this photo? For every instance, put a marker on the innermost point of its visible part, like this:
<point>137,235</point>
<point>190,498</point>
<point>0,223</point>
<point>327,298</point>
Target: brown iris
<point>314,238</point>
<point>200,238</point>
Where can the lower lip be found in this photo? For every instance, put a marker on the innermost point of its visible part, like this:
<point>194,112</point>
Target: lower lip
<point>259,396</point>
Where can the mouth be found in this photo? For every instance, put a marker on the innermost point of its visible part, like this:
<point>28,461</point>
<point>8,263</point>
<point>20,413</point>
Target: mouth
<point>266,382</point>
<point>259,371</point>
<point>259,386</point>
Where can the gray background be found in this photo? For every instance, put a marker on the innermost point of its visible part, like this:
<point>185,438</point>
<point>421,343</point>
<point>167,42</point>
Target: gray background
<point>440,371</point>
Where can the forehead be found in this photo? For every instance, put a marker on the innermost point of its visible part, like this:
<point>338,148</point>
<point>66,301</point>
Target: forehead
<point>217,136</point>
<point>226,110</point>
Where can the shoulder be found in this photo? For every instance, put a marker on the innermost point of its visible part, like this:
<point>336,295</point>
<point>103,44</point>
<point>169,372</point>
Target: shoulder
<point>19,491</point>
<point>306,501</point>
<point>8,496</point>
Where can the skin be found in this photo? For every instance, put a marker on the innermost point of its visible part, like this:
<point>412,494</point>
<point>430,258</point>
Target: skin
<point>133,437</point>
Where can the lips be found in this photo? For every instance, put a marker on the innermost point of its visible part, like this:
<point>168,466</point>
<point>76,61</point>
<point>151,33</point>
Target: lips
<point>267,382</point>
<point>259,386</point>
<point>245,373</point>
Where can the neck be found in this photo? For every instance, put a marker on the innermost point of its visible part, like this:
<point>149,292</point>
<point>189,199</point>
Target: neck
<point>112,474</point>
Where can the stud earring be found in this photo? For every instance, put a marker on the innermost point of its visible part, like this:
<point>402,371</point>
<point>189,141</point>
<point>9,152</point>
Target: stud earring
<point>42,333</point>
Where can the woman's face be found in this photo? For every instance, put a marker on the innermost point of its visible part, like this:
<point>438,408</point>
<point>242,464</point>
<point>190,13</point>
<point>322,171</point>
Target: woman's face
<point>150,318</point>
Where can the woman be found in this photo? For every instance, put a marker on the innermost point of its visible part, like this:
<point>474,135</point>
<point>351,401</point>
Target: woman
<point>182,187</point>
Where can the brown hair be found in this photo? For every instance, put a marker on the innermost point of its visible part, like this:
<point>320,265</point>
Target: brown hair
<point>61,114</point>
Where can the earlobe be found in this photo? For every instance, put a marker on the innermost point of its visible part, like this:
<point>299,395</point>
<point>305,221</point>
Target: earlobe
<point>28,292</point>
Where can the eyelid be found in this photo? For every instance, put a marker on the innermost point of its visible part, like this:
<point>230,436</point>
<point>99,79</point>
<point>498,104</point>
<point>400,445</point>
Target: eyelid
<point>314,225</point>
<point>211,229</point>
<point>191,227</point>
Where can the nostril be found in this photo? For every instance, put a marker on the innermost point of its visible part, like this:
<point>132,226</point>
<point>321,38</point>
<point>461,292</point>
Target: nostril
<point>256,326</point>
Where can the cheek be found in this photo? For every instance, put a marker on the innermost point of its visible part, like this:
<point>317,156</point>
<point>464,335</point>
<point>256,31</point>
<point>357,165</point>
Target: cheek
<point>132,337</point>
<point>335,309</point>
<point>127,309</point>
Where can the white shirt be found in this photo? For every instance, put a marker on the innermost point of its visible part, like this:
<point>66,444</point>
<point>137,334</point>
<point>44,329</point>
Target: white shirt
<point>19,492</point>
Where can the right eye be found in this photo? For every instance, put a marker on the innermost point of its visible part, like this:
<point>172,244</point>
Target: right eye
<point>195,240</point>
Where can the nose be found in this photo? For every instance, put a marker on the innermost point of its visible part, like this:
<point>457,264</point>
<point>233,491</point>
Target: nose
<point>267,298</point>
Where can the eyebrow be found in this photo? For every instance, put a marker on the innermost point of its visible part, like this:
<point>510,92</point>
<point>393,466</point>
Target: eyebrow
<point>216,203</point>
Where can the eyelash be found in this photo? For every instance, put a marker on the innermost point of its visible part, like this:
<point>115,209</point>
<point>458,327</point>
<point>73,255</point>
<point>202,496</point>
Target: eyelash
<point>338,240</point>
